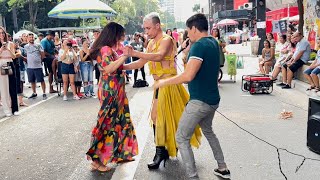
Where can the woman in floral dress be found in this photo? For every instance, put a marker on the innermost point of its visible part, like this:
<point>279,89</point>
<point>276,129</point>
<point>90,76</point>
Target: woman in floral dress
<point>113,138</point>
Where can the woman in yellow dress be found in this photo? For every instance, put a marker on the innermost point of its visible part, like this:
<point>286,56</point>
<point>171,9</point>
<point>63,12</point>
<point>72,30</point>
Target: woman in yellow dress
<point>168,102</point>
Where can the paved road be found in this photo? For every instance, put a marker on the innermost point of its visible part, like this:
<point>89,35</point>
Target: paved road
<point>49,140</point>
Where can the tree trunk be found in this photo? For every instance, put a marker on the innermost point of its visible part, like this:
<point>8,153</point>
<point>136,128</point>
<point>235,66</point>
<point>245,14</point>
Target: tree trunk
<point>15,19</point>
<point>301,18</point>
<point>33,11</point>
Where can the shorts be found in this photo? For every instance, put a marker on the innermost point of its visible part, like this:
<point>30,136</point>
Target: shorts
<point>315,71</point>
<point>48,61</point>
<point>35,75</point>
<point>295,66</point>
<point>22,76</point>
<point>67,68</point>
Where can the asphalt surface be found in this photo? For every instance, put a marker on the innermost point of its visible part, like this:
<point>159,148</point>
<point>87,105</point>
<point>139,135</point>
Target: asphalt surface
<point>50,139</point>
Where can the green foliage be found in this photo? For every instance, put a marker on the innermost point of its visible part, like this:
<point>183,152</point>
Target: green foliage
<point>125,9</point>
<point>196,8</point>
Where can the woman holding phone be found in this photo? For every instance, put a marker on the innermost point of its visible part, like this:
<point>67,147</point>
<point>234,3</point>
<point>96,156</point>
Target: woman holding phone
<point>68,57</point>
<point>7,81</point>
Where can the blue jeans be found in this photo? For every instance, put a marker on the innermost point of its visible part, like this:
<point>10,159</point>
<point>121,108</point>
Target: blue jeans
<point>87,76</point>
<point>197,113</point>
<point>312,71</point>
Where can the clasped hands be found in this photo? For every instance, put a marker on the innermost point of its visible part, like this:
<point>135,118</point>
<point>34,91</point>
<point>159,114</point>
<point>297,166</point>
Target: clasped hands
<point>128,51</point>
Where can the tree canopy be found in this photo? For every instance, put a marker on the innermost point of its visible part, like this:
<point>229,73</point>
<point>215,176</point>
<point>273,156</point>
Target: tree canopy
<point>33,14</point>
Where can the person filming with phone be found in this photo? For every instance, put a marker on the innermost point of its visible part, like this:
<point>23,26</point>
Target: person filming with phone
<point>68,57</point>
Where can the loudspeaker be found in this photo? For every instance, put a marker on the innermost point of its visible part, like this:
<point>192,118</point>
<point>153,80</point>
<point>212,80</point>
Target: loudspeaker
<point>313,132</point>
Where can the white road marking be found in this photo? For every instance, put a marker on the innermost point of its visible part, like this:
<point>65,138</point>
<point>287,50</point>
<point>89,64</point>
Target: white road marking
<point>29,107</point>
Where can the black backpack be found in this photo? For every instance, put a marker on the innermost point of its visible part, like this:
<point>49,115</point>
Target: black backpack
<point>140,83</point>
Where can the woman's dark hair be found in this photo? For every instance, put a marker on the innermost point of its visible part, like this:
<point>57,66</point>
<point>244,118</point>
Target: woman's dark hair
<point>5,35</point>
<point>199,21</point>
<point>218,32</point>
<point>269,44</point>
<point>109,36</point>
<point>83,40</point>
<point>271,35</point>
<point>185,35</point>
<point>170,32</point>
<point>284,37</point>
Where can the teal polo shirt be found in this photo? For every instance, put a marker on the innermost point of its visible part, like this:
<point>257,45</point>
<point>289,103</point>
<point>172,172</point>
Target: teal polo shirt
<point>204,86</point>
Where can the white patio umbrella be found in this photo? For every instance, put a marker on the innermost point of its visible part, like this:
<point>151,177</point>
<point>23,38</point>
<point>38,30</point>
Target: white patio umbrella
<point>18,35</point>
<point>84,9</point>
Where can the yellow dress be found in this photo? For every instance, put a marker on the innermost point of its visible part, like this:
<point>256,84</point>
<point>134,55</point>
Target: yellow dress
<point>172,100</point>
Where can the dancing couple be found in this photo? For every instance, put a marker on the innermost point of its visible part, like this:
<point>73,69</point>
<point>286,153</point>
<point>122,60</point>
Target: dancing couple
<point>113,138</point>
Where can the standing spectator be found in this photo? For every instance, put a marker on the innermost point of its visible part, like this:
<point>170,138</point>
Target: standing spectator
<point>138,46</point>
<point>68,57</point>
<point>57,42</point>
<point>22,63</point>
<point>96,34</point>
<point>175,36</point>
<point>17,61</point>
<point>9,37</point>
<point>7,82</point>
<point>77,79</point>
<point>215,32</point>
<point>48,46</point>
<point>245,34</point>
<point>86,68</point>
<point>127,42</point>
<point>40,37</point>
<point>169,32</point>
<point>35,54</point>
<point>299,58</point>
<point>24,38</point>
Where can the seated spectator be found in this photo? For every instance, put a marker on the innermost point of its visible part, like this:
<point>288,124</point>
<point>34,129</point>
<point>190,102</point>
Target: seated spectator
<point>284,48</point>
<point>270,38</point>
<point>299,58</point>
<point>311,74</point>
<point>267,60</point>
<point>292,49</point>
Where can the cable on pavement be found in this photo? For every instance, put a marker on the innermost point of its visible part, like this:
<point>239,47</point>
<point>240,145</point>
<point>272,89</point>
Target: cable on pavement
<point>274,146</point>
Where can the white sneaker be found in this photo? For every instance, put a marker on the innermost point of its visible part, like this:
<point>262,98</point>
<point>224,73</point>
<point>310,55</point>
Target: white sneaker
<point>16,113</point>
<point>65,98</point>
<point>8,115</point>
<point>76,97</point>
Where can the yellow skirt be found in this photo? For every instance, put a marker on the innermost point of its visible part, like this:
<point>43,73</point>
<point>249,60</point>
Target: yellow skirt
<point>172,100</point>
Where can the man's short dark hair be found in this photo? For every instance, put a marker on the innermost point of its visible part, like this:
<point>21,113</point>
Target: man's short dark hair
<point>40,35</point>
<point>199,21</point>
<point>96,30</point>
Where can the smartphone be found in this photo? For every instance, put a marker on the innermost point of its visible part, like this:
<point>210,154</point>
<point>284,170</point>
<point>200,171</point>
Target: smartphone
<point>4,45</point>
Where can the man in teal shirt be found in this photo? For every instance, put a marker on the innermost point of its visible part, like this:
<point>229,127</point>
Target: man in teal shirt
<point>201,74</point>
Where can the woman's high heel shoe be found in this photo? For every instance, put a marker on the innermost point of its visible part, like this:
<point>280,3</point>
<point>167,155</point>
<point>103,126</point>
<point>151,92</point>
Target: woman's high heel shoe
<point>161,155</point>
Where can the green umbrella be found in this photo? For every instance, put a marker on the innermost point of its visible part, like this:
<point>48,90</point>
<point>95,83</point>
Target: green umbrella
<point>75,9</point>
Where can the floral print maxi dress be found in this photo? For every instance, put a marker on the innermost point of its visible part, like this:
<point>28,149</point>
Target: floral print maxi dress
<point>113,138</point>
